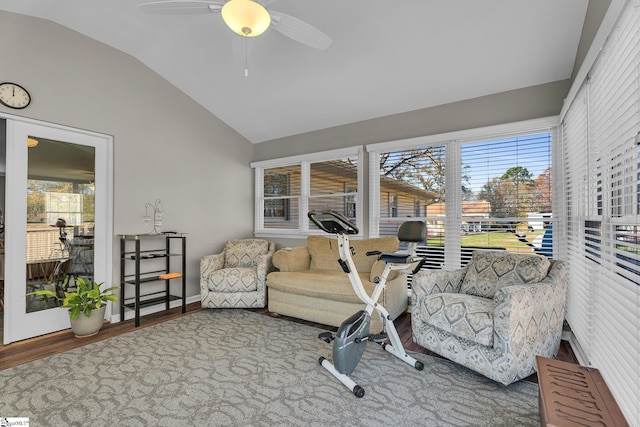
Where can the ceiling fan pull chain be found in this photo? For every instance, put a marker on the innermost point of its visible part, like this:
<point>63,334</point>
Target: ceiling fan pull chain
<point>246,60</point>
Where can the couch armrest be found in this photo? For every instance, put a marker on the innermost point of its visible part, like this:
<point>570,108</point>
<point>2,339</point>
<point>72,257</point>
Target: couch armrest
<point>528,318</point>
<point>264,266</point>
<point>293,259</point>
<point>209,263</point>
<point>425,283</point>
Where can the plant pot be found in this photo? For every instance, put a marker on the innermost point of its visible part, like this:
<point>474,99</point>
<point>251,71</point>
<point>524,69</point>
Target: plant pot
<point>83,326</point>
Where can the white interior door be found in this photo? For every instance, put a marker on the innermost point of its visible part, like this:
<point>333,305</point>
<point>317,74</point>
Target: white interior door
<point>69,165</point>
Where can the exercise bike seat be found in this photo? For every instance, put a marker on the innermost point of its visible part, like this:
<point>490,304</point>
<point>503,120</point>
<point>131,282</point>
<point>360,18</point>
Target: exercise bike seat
<point>396,258</point>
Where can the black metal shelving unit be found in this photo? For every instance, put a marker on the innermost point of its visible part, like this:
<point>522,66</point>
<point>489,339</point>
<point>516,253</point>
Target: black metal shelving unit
<point>137,272</point>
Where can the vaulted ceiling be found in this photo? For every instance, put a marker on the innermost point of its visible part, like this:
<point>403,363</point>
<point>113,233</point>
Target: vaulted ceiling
<point>387,57</point>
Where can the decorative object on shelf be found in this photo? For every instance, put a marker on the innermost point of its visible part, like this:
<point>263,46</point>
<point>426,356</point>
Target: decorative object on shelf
<point>13,95</point>
<point>157,213</point>
<point>87,299</point>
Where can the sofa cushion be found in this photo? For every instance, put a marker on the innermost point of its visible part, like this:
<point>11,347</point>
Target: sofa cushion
<point>325,284</point>
<point>491,270</point>
<point>465,316</point>
<point>243,253</point>
<point>233,280</point>
<point>324,252</point>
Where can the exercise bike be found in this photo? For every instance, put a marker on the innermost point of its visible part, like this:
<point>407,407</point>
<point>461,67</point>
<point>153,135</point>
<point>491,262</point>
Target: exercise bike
<point>352,335</point>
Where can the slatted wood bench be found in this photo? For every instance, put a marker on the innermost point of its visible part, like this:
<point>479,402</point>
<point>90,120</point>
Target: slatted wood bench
<point>574,395</point>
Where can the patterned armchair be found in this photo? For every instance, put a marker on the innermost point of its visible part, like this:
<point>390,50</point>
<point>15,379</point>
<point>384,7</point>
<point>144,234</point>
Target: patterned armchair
<point>236,277</point>
<point>495,315</point>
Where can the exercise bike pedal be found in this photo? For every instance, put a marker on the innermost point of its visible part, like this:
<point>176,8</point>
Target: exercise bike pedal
<point>326,337</point>
<point>378,338</point>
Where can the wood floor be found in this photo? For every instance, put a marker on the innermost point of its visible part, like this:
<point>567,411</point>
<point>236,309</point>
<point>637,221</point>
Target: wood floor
<point>47,345</point>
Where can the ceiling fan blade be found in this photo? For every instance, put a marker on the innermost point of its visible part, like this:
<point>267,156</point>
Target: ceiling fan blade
<point>299,30</point>
<point>180,7</point>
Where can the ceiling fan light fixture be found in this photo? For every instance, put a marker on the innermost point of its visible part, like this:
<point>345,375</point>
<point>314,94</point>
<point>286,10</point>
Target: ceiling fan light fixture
<point>246,17</point>
<point>32,142</point>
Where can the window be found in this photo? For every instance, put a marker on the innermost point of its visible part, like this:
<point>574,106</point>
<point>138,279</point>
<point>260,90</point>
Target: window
<point>63,205</point>
<point>507,192</point>
<point>392,205</point>
<point>333,182</point>
<point>483,191</point>
<point>281,197</point>
<point>407,180</point>
<point>417,205</point>
<point>350,201</point>
<point>287,189</point>
<point>46,202</point>
<point>276,187</point>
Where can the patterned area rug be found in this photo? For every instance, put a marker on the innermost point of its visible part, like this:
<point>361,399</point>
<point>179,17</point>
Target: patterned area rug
<point>234,367</point>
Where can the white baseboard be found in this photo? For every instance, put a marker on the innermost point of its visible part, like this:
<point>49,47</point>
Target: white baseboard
<point>577,349</point>
<point>129,314</point>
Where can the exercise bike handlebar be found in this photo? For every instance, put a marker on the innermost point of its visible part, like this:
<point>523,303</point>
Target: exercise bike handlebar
<point>337,224</point>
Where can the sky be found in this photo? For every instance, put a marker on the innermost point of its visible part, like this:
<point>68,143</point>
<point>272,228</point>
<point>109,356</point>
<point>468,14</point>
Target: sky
<point>489,159</point>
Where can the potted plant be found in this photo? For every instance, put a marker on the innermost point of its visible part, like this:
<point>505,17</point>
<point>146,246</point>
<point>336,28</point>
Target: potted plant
<point>87,299</point>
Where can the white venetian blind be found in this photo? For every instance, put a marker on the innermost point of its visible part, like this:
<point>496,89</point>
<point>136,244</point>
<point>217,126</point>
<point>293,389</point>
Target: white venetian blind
<point>490,192</point>
<point>287,188</point>
<point>334,186</point>
<point>411,183</point>
<point>577,202</point>
<point>602,191</point>
<point>281,202</point>
<point>507,192</point>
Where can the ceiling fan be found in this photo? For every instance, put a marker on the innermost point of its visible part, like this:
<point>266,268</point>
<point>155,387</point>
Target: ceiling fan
<point>247,18</point>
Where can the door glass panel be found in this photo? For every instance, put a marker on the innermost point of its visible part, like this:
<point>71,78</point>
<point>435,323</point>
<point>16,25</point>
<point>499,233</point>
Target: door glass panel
<point>60,218</point>
<point>3,171</point>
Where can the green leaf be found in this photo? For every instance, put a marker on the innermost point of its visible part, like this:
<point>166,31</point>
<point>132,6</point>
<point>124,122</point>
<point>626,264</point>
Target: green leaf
<point>69,299</point>
<point>43,292</point>
<point>75,311</point>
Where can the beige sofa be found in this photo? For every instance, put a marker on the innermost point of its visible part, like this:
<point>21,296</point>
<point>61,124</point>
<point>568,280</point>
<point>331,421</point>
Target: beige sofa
<point>311,285</point>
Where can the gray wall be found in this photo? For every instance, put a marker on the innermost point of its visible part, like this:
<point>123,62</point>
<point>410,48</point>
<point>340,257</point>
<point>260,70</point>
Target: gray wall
<point>165,144</point>
<point>596,11</point>
<point>523,104</point>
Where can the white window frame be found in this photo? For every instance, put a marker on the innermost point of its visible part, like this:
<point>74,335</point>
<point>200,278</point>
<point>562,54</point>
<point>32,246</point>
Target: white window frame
<point>305,162</point>
<point>453,142</point>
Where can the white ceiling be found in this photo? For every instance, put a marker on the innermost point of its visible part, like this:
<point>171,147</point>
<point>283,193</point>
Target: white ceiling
<point>387,57</point>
